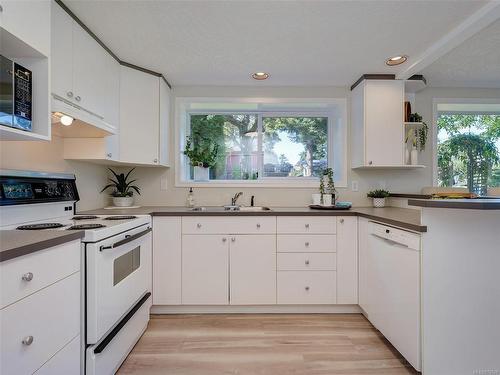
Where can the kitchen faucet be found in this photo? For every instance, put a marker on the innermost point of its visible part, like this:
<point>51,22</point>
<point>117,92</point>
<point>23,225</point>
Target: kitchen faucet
<point>235,198</point>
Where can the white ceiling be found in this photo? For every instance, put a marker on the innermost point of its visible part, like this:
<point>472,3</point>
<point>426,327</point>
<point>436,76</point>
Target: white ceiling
<point>300,43</point>
<point>474,63</point>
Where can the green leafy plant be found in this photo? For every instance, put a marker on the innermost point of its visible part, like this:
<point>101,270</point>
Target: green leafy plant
<point>202,153</point>
<point>329,188</point>
<point>122,187</point>
<point>379,193</point>
<point>418,136</point>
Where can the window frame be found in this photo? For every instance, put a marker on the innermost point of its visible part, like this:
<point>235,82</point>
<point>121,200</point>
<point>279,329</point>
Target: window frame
<point>336,110</point>
<point>435,114</point>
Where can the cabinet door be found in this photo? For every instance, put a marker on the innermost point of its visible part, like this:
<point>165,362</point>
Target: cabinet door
<point>139,117</point>
<point>347,260</point>
<point>205,262</point>
<point>167,260</point>
<point>165,105</point>
<point>253,269</point>
<point>384,122</point>
<point>89,72</point>
<point>110,86</point>
<point>62,53</point>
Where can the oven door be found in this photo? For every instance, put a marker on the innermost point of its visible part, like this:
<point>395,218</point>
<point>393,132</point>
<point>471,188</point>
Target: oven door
<point>118,276</point>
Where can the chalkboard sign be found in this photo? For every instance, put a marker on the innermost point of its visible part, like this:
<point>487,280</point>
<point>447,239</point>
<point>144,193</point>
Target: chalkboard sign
<point>23,86</point>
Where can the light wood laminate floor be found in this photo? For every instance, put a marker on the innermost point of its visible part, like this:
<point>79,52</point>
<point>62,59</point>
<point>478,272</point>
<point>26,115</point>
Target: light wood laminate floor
<point>263,344</point>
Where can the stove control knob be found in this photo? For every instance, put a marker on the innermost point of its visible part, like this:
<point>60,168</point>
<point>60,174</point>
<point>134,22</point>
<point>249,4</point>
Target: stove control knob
<point>28,276</point>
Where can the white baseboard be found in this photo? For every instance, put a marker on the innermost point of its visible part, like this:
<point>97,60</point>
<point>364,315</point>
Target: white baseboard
<point>261,309</point>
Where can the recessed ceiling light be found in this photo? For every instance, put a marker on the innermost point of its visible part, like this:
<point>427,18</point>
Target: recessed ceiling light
<point>396,60</point>
<point>260,76</point>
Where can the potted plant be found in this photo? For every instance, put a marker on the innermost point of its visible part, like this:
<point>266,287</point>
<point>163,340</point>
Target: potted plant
<point>202,155</point>
<point>378,197</point>
<point>123,190</point>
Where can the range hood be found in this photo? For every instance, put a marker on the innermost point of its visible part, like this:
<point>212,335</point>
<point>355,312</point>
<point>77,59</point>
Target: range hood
<point>85,124</point>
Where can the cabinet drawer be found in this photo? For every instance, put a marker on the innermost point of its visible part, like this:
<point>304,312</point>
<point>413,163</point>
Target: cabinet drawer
<point>46,266</point>
<point>306,224</point>
<point>319,243</point>
<point>51,316</point>
<point>228,225</point>
<point>307,261</point>
<point>66,361</point>
<point>306,287</point>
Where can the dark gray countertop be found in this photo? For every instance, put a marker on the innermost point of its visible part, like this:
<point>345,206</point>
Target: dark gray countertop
<point>402,217</point>
<point>470,204</point>
<point>16,243</point>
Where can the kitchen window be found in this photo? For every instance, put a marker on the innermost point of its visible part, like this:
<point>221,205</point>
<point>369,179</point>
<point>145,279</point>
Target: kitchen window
<point>467,151</point>
<point>268,144</point>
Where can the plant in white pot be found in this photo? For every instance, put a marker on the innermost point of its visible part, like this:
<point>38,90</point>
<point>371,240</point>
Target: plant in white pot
<point>123,193</point>
<point>378,197</point>
<point>203,154</point>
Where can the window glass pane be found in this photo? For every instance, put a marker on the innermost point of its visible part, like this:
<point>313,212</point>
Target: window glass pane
<point>468,151</point>
<point>236,138</point>
<point>294,146</point>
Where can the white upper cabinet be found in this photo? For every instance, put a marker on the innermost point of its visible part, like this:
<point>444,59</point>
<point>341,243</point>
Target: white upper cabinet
<point>144,118</point>
<point>377,124</point>
<point>85,77</point>
<point>29,21</point>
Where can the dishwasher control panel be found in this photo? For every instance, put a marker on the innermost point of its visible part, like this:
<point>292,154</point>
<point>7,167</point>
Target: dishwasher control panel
<point>399,236</point>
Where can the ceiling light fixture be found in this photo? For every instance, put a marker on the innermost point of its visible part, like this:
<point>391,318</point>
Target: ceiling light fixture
<point>66,120</point>
<point>260,76</point>
<point>396,60</point>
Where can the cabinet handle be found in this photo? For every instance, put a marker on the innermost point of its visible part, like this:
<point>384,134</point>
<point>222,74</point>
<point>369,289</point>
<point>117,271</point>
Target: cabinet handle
<point>341,221</point>
<point>198,225</point>
<point>387,231</point>
<point>28,276</point>
<point>1,8</point>
<point>155,161</point>
<point>307,244</point>
<point>258,226</point>
<point>77,98</point>
<point>109,155</point>
<point>28,340</point>
<point>224,239</point>
<point>69,94</point>
<point>307,226</point>
<point>370,162</point>
<point>307,288</point>
<point>233,239</point>
<point>307,262</point>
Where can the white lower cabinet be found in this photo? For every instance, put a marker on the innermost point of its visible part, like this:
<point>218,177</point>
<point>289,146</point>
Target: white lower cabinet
<point>40,321</point>
<point>306,287</point>
<point>205,264</point>
<point>252,269</point>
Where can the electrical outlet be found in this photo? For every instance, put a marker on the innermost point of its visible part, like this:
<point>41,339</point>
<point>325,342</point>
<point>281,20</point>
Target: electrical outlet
<point>354,186</point>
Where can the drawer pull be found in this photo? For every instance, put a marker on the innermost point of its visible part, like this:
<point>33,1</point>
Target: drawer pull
<point>258,226</point>
<point>198,225</point>
<point>224,239</point>
<point>28,340</point>
<point>341,221</point>
<point>233,239</point>
<point>307,262</point>
<point>387,231</point>
<point>28,276</point>
<point>307,226</point>
<point>307,244</point>
<point>307,288</point>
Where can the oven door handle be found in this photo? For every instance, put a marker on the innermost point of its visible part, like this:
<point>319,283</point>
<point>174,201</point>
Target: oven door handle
<point>127,239</point>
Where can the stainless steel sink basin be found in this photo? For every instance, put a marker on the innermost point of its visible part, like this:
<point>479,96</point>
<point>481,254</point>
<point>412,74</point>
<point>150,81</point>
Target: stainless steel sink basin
<point>231,209</point>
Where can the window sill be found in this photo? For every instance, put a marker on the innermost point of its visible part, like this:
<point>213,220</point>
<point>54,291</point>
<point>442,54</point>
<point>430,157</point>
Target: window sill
<point>280,184</point>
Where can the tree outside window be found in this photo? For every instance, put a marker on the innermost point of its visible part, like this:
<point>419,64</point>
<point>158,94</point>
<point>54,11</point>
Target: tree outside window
<point>468,151</point>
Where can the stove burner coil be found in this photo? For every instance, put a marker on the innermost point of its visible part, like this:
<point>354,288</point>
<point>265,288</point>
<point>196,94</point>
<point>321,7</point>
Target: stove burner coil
<point>84,217</point>
<point>86,226</point>
<point>40,226</point>
<point>120,217</point>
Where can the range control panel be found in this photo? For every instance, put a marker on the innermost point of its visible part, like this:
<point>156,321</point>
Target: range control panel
<point>25,190</point>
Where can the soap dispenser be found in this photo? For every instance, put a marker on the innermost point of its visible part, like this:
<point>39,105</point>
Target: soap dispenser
<point>190,198</point>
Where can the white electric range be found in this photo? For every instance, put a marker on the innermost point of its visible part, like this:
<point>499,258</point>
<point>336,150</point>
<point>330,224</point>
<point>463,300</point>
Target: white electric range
<point>116,257</point>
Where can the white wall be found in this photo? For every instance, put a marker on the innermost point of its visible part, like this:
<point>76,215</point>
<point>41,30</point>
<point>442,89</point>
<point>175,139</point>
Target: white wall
<point>150,179</point>
<point>48,157</point>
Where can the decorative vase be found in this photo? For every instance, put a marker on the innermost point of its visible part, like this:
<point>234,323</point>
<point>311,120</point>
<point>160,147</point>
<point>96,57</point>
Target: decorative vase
<point>201,174</point>
<point>414,156</point>
<point>327,200</point>
<point>316,199</point>
<point>407,156</point>
<point>123,201</point>
<point>378,202</point>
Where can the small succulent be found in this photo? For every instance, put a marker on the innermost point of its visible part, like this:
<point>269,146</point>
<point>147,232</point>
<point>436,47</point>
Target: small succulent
<point>379,193</point>
<point>122,187</point>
